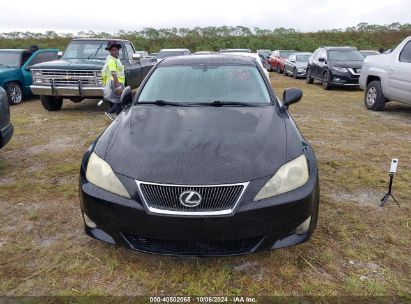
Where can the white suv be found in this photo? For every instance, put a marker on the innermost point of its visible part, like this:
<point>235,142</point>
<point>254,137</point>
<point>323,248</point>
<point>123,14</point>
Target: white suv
<point>387,77</point>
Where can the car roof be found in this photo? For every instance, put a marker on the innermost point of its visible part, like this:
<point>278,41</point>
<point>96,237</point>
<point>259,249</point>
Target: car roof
<point>101,39</point>
<point>337,48</point>
<point>15,50</point>
<point>222,59</point>
<point>169,50</point>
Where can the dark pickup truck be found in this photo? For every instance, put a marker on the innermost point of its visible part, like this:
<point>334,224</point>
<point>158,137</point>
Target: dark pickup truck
<point>77,75</point>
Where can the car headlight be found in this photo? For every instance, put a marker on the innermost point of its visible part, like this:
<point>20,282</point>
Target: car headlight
<point>290,176</point>
<point>338,69</point>
<point>99,173</point>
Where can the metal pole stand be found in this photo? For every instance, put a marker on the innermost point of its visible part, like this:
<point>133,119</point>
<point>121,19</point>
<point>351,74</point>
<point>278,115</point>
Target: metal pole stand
<point>385,198</point>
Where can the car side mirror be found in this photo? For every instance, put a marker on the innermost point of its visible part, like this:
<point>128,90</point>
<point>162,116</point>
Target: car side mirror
<point>59,54</point>
<point>291,96</point>
<point>126,97</point>
<point>136,56</point>
<point>321,59</point>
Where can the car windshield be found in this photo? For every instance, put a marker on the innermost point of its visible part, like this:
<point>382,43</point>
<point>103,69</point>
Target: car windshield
<point>206,84</point>
<point>10,59</point>
<point>345,55</point>
<point>164,54</point>
<point>286,54</point>
<point>86,50</point>
<point>302,58</point>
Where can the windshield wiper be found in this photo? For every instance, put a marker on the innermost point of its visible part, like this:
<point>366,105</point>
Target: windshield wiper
<point>219,103</point>
<point>95,53</point>
<point>161,102</point>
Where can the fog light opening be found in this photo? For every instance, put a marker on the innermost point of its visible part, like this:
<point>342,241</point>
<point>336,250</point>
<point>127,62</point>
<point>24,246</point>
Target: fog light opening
<point>88,221</point>
<point>303,228</point>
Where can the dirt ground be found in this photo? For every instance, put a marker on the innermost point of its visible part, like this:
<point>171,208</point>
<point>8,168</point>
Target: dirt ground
<point>358,249</point>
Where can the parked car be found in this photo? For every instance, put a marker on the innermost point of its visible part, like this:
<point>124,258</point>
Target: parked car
<point>234,51</point>
<point>15,76</point>
<point>206,161</point>
<point>6,127</point>
<point>143,54</point>
<point>335,66</point>
<point>387,77</point>
<point>264,54</point>
<point>251,55</point>
<point>367,53</point>
<point>164,53</point>
<point>278,58</point>
<point>77,75</point>
<point>296,64</point>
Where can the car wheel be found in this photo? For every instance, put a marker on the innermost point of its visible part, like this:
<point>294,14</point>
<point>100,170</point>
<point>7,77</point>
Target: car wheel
<point>14,93</point>
<point>284,72</point>
<point>51,103</point>
<point>374,98</point>
<point>295,73</point>
<point>326,81</point>
<point>279,69</point>
<point>308,78</point>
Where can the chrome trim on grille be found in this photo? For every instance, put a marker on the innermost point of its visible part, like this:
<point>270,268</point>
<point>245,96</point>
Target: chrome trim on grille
<point>354,71</point>
<point>67,78</point>
<point>191,213</point>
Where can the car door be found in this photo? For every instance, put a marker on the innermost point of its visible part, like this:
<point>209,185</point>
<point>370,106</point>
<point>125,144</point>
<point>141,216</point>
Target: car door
<point>321,66</point>
<point>399,75</point>
<point>38,57</point>
<point>132,68</point>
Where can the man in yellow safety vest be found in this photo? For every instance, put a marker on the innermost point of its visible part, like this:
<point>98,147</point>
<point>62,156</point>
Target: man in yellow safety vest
<point>113,78</point>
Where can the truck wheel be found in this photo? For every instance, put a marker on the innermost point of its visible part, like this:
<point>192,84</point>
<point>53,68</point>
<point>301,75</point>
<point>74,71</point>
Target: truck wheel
<point>14,93</point>
<point>374,98</point>
<point>51,103</point>
<point>308,78</point>
<point>326,81</point>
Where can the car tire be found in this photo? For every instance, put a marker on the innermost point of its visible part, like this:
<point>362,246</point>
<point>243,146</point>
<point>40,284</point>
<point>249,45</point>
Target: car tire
<point>284,72</point>
<point>374,98</point>
<point>326,81</point>
<point>14,93</point>
<point>51,103</point>
<point>308,78</point>
<point>295,73</point>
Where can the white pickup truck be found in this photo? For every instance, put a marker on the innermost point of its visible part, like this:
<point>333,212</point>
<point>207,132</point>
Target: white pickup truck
<point>387,77</point>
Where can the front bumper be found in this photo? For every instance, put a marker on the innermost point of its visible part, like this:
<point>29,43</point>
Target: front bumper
<point>253,226</point>
<point>67,91</point>
<point>344,79</point>
<point>6,134</point>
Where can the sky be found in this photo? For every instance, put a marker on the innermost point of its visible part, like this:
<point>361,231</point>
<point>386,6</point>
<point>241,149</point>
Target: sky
<point>74,15</point>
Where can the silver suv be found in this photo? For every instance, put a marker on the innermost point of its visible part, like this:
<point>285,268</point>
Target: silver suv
<point>387,77</point>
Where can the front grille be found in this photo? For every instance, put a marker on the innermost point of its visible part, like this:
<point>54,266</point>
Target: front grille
<point>67,78</point>
<point>193,248</point>
<point>216,199</point>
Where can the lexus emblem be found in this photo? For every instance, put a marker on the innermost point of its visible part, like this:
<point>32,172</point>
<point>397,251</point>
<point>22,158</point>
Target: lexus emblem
<point>190,198</point>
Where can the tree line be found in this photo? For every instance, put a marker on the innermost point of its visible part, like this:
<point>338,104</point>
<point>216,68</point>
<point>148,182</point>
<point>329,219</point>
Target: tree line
<point>211,38</point>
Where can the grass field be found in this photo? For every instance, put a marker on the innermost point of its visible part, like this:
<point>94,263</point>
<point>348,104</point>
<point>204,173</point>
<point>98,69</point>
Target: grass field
<point>358,249</point>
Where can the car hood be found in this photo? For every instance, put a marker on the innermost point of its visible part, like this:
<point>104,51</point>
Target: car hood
<point>71,64</point>
<point>347,64</point>
<point>195,145</point>
<point>8,70</point>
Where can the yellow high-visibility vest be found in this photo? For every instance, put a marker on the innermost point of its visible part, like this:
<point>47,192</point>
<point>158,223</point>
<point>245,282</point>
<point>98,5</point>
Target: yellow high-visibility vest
<point>113,65</point>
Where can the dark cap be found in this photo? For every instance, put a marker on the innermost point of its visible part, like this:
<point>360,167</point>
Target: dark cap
<point>112,43</point>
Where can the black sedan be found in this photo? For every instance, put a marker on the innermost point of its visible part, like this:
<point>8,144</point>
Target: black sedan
<point>205,161</point>
<point>6,127</point>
